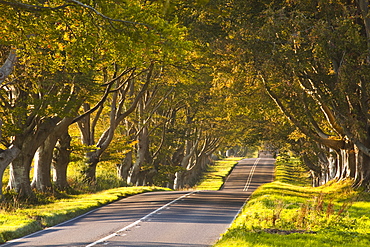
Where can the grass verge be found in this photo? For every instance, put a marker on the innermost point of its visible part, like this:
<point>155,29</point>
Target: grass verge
<point>215,176</point>
<point>23,221</point>
<point>288,212</point>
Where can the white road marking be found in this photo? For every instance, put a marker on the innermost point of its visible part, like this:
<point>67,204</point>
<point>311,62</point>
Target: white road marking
<point>249,180</point>
<point>138,221</point>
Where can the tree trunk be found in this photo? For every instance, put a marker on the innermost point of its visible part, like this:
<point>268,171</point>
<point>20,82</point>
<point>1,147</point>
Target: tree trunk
<point>42,173</point>
<point>124,167</point>
<point>362,176</point>
<point>44,156</point>
<point>117,115</point>
<point>364,7</point>
<point>176,159</point>
<point>143,157</point>
<point>6,157</point>
<point>352,163</point>
<point>61,159</point>
<point>332,167</point>
<point>7,67</point>
<point>89,173</point>
<point>198,166</point>
<point>178,183</point>
<point>20,174</point>
<point>348,161</point>
<point>338,161</point>
<point>192,175</point>
<point>186,163</point>
<point>21,165</point>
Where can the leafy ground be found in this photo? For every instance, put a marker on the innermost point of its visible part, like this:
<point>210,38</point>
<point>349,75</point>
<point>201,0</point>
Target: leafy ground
<point>288,212</point>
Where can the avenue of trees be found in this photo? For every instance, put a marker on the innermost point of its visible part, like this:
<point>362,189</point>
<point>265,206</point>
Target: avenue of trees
<point>162,84</point>
<point>313,60</point>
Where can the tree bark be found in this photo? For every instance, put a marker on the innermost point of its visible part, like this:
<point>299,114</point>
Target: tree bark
<point>42,172</point>
<point>7,67</point>
<point>136,177</point>
<point>186,162</point>
<point>6,157</point>
<point>44,156</point>
<point>124,167</point>
<point>21,165</point>
<point>19,179</point>
<point>92,160</point>
<point>362,175</point>
<point>364,8</point>
<point>61,158</point>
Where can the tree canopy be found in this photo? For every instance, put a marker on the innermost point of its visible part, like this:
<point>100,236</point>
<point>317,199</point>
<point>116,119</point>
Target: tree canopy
<point>159,86</point>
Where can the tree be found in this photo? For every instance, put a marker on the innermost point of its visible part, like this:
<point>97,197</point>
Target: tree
<point>311,57</point>
<point>163,44</point>
<point>11,152</point>
<point>58,66</point>
<point>117,113</point>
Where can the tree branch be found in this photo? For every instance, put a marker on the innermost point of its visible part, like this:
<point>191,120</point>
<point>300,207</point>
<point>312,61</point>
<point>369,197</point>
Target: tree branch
<point>32,8</point>
<point>106,93</point>
<point>108,18</point>
<point>332,143</point>
<point>138,96</point>
<point>328,113</point>
<point>35,8</point>
<point>315,125</point>
<point>7,67</point>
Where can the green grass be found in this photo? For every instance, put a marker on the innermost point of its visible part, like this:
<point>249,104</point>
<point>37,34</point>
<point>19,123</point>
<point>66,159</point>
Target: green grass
<point>25,220</point>
<point>288,212</point>
<point>215,176</point>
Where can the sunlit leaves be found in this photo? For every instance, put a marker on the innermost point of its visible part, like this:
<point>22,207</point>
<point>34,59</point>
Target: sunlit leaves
<point>62,52</point>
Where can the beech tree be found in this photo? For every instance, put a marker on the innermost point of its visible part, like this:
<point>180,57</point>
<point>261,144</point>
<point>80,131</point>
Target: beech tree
<point>312,59</point>
<point>47,84</point>
<point>11,152</point>
<point>58,67</point>
<point>118,112</point>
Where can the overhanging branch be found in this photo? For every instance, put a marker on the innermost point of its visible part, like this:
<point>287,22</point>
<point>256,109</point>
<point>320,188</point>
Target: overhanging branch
<point>329,142</point>
<point>108,18</point>
<point>38,8</point>
<point>32,8</point>
<point>7,67</point>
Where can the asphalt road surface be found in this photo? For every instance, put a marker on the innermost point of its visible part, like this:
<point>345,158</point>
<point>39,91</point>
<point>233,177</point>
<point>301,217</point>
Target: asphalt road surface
<point>175,218</point>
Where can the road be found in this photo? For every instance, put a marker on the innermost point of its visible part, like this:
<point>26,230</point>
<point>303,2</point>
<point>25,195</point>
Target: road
<point>175,218</point>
